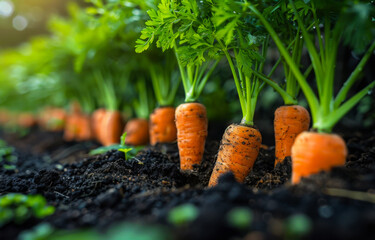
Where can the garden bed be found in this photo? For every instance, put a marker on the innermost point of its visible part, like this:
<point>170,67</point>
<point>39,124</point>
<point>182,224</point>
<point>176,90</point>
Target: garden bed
<point>99,191</point>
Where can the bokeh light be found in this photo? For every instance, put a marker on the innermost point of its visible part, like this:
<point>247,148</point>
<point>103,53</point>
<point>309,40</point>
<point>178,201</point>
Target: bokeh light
<point>20,23</point>
<point>6,8</point>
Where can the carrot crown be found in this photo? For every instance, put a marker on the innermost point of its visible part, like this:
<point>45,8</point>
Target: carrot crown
<point>327,110</point>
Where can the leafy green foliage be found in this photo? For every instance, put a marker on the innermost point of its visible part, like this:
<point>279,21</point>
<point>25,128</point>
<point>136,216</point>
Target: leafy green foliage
<point>15,207</point>
<point>337,20</point>
<point>244,43</point>
<point>129,152</point>
<point>7,156</point>
<point>182,26</point>
<point>183,214</point>
<point>358,25</point>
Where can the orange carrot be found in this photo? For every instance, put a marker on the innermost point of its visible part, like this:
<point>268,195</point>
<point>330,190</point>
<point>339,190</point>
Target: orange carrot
<point>55,119</point>
<point>71,127</point>
<point>162,125</point>
<point>288,123</point>
<point>238,151</point>
<point>191,123</point>
<point>84,129</point>
<point>78,125</point>
<point>97,123</point>
<point>314,152</point>
<point>26,120</point>
<point>4,116</point>
<point>137,132</point>
<point>112,126</point>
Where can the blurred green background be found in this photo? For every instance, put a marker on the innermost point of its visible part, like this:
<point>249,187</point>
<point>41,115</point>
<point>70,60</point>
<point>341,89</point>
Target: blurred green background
<point>22,19</point>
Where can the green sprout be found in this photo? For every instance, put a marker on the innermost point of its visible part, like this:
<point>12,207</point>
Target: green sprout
<point>129,152</point>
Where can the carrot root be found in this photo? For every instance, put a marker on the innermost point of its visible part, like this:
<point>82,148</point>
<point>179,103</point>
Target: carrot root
<point>191,123</point>
<point>137,132</point>
<point>112,128</point>
<point>314,152</point>
<point>84,129</point>
<point>288,123</point>
<point>97,123</point>
<point>162,125</point>
<point>238,151</point>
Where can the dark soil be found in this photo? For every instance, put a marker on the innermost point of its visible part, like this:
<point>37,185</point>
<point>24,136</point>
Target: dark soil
<point>100,190</point>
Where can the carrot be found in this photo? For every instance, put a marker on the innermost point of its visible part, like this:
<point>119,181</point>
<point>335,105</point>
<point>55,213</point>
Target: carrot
<point>137,132</point>
<point>314,152</point>
<point>83,128</point>
<point>288,123</point>
<point>55,119</point>
<point>78,125</point>
<point>70,131</point>
<point>112,126</point>
<point>4,116</point>
<point>97,123</point>
<point>191,123</point>
<point>162,125</point>
<point>26,120</point>
<point>238,151</point>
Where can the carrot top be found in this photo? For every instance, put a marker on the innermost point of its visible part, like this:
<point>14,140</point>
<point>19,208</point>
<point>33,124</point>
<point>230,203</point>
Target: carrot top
<point>164,79</point>
<point>327,110</point>
<point>172,26</point>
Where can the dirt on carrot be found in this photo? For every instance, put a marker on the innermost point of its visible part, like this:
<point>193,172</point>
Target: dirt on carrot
<point>191,123</point>
<point>288,123</point>
<point>97,123</point>
<point>314,152</point>
<point>84,128</point>
<point>137,132</point>
<point>112,126</point>
<point>162,125</point>
<point>238,151</point>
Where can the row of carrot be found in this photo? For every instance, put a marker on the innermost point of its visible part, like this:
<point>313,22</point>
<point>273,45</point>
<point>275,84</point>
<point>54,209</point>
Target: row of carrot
<point>240,143</point>
<point>200,35</point>
<point>105,126</point>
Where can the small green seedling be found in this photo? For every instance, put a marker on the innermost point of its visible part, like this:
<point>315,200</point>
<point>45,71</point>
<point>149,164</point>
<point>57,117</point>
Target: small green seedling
<point>16,207</point>
<point>122,147</point>
<point>7,157</point>
<point>297,226</point>
<point>183,214</point>
<point>240,217</point>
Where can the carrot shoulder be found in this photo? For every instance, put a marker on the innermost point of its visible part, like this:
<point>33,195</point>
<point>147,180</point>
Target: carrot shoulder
<point>71,127</point>
<point>163,125</point>
<point>26,120</point>
<point>238,151</point>
<point>288,123</point>
<point>112,128</point>
<point>137,132</point>
<point>97,123</point>
<point>84,128</point>
<point>314,152</point>
<point>191,123</point>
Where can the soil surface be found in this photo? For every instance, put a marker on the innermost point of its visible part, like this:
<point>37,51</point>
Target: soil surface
<point>98,191</point>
